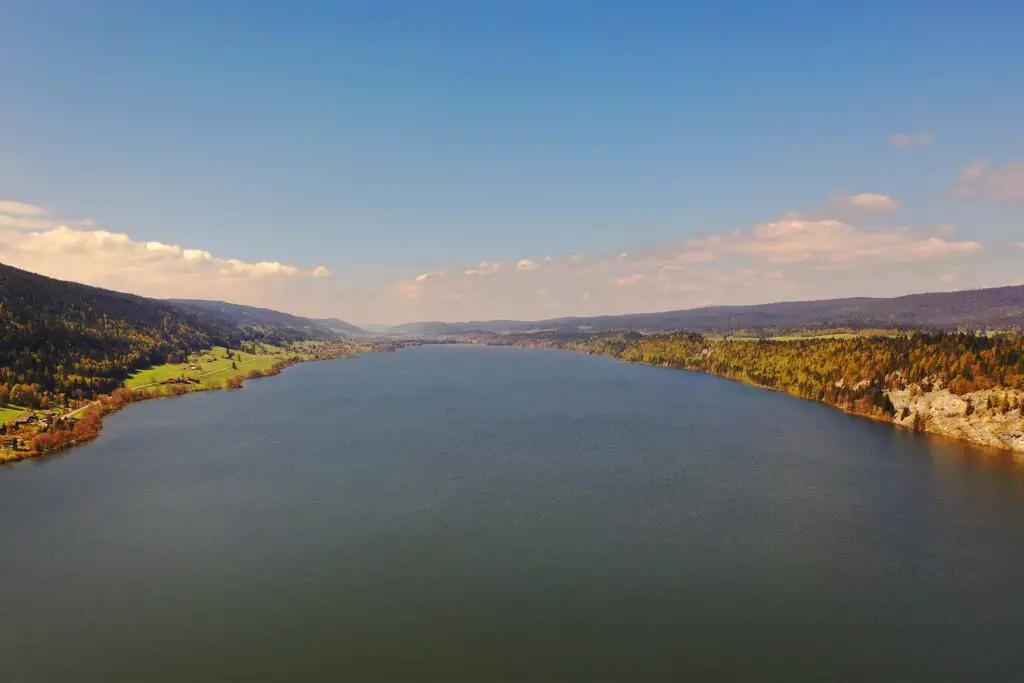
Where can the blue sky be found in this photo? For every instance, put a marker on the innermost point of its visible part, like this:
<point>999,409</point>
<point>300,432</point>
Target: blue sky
<point>386,140</point>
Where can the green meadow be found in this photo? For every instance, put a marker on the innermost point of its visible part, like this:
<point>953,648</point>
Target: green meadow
<point>809,335</point>
<point>10,413</point>
<point>213,366</point>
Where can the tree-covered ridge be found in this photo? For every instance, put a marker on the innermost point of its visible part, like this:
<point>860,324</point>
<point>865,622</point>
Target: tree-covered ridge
<point>853,373</point>
<point>998,308</point>
<point>253,317</point>
<point>61,341</point>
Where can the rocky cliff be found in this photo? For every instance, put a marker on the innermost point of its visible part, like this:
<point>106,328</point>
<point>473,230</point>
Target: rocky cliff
<point>992,417</point>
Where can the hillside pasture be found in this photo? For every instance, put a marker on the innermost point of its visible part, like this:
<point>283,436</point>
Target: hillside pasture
<point>213,362</point>
<point>10,413</point>
<point>214,366</point>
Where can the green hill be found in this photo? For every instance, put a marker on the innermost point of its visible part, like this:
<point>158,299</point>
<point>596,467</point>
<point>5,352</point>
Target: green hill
<point>63,340</point>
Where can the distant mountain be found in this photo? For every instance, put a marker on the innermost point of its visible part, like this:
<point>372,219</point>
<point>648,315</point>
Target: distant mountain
<point>375,328</point>
<point>997,308</point>
<point>436,328</point>
<point>339,326</point>
<point>256,317</point>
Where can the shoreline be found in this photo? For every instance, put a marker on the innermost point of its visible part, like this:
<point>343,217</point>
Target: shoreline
<point>1014,450</point>
<point>89,421</point>
<point>1017,452</point>
<point>945,417</point>
<point>955,425</point>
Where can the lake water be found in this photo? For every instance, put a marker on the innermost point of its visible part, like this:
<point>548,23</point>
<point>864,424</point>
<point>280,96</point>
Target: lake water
<point>478,514</point>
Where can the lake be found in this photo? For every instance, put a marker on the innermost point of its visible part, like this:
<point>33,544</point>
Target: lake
<point>486,514</point>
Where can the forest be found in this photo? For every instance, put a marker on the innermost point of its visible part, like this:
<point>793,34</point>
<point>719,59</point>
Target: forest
<point>61,341</point>
<point>852,373</point>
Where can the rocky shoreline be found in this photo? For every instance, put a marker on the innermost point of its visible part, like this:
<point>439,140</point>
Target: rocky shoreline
<point>992,418</point>
<point>978,417</point>
<point>981,417</point>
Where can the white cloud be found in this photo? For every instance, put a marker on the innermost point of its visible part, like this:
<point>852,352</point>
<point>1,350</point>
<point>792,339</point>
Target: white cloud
<point>21,209</point>
<point>75,250</point>
<point>982,180</point>
<point>485,268</point>
<point>786,258</point>
<point>911,140</point>
<point>820,253</point>
<point>426,276</point>
<point>22,216</point>
<point>867,201</point>
<point>845,206</point>
<point>22,222</point>
<point>834,242</point>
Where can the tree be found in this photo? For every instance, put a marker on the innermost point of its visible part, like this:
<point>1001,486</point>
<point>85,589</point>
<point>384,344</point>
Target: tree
<point>5,395</point>
<point>15,396</point>
<point>29,396</point>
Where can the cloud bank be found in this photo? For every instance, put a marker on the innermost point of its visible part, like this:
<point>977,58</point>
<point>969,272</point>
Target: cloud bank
<point>32,239</point>
<point>834,248</point>
<point>800,255</point>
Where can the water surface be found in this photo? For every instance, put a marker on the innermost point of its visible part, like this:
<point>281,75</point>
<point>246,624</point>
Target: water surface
<point>476,514</point>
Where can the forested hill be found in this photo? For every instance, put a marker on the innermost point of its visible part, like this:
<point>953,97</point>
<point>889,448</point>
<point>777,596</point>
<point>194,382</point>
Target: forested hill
<point>63,340</point>
<point>340,327</point>
<point>1000,308</point>
<point>252,316</point>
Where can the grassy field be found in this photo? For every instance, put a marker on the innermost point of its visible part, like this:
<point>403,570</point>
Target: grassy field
<point>213,367</point>
<point>811,335</point>
<point>10,413</point>
<point>6,415</point>
<point>210,367</point>
<point>786,337</point>
<point>796,337</point>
